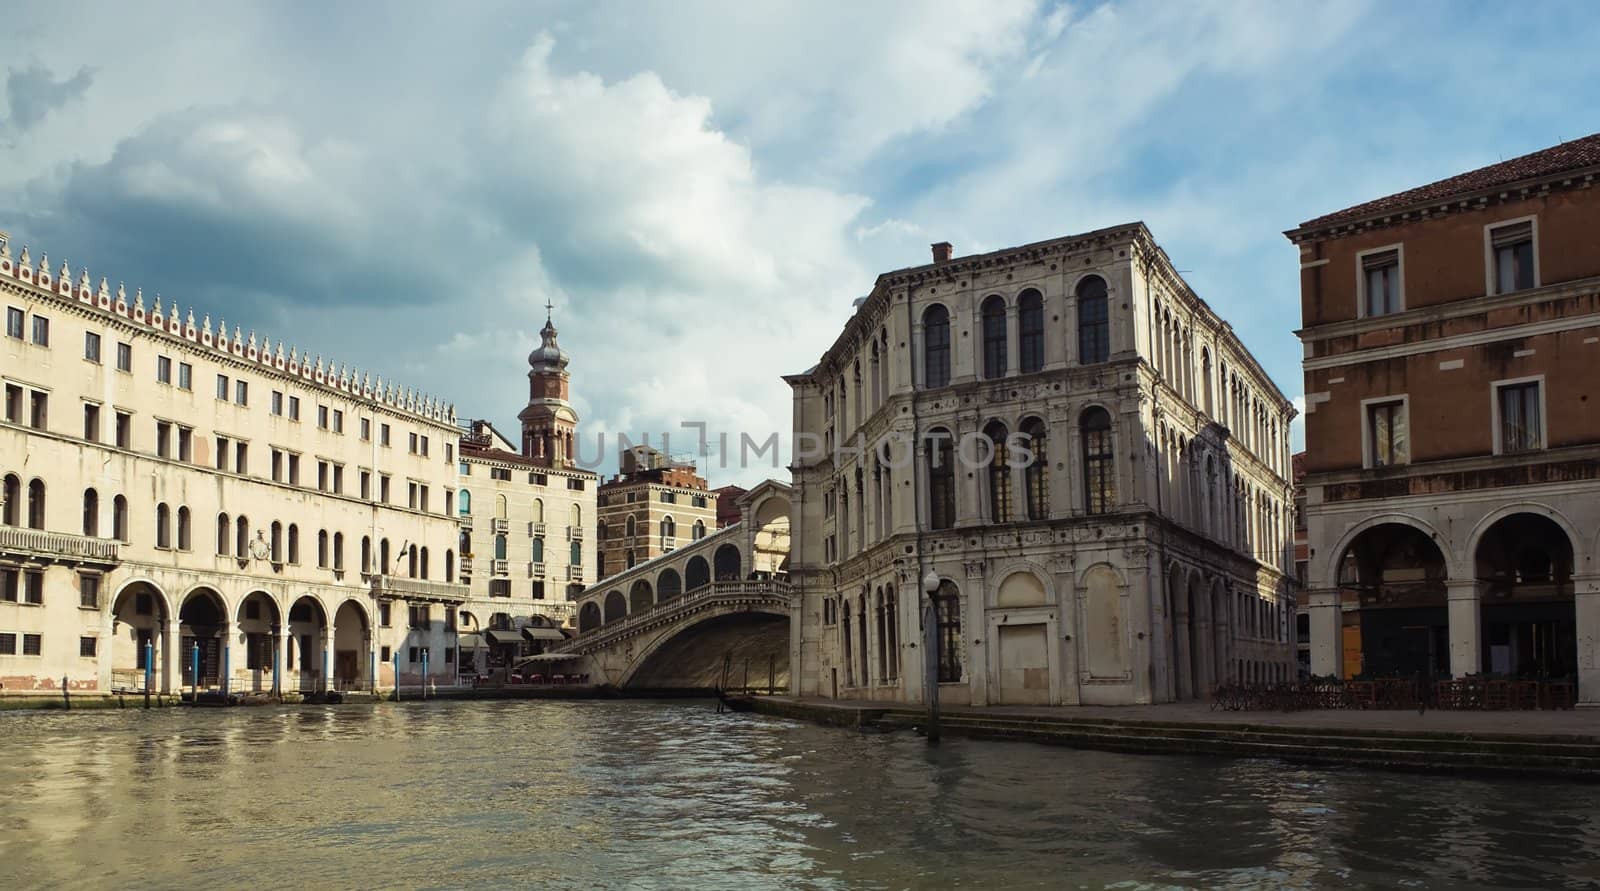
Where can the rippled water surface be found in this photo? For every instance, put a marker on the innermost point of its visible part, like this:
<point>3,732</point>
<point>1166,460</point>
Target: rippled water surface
<point>673,795</point>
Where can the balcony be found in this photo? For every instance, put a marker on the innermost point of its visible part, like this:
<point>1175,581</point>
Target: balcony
<point>535,529</point>
<point>465,520</point>
<point>536,570</point>
<point>574,573</point>
<point>500,567</point>
<point>466,566</point>
<point>58,547</point>
<point>499,525</point>
<point>574,533</point>
<point>418,590</point>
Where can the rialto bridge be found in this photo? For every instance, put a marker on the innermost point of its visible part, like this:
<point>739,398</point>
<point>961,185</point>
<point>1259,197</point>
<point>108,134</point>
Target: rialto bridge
<point>676,620</point>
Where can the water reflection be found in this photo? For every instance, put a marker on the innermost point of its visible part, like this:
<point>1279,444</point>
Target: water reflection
<point>671,795</point>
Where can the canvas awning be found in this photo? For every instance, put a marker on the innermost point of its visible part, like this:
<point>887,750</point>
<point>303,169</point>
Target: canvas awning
<point>470,641</point>
<point>536,632</point>
<point>553,657</point>
<point>502,638</point>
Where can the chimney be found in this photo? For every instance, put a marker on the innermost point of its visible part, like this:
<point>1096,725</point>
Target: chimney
<point>941,252</point>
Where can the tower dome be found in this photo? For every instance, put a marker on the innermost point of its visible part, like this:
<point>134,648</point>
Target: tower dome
<point>549,353</point>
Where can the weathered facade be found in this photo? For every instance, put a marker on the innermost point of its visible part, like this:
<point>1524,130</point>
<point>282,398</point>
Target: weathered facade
<point>1139,552</point>
<point>651,507</point>
<point>1452,344</point>
<point>173,490</point>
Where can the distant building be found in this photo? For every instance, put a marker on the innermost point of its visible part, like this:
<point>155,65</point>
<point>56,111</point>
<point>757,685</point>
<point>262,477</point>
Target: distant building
<point>1452,345</point>
<point>728,504</point>
<point>1139,552</point>
<point>1302,561</point>
<point>649,508</point>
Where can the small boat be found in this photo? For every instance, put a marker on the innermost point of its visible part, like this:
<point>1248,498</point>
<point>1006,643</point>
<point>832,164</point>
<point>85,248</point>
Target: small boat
<point>736,703</point>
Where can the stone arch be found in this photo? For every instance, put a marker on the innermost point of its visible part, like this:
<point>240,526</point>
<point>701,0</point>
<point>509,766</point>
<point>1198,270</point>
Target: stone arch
<point>1479,530</point>
<point>202,621</point>
<point>351,644</point>
<point>588,617</point>
<point>696,573</point>
<point>1022,584</point>
<point>1330,560</point>
<point>307,619</point>
<point>690,625</point>
<point>616,606</point>
<point>132,628</point>
<point>1105,629</point>
<point>668,585</point>
<point>727,563</point>
<point>640,596</point>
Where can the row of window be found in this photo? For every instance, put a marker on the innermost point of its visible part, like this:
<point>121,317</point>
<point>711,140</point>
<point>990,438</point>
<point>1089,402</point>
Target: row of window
<point>666,498</point>
<point>1519,424</point>
<point>1094,334</point>
<point>668,528</point>
<point>575,558</point>
<point>26,586</point>
<point>1509,259</point>
<point>885,609</point>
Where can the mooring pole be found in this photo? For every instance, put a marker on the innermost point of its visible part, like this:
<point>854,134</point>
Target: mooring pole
<point>424,672</point>
<point>747,674</point>
<point>194,681</point>
<point>149,670</point>
<point>277,669</point>
<point>772,674</point>
<point>66,695</point>
<point>396,674</point>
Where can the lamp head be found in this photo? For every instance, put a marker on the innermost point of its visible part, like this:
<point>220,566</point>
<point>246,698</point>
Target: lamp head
<point>930,583</point>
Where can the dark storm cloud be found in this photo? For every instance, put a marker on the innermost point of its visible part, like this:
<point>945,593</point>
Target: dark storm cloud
<point>33,92</point>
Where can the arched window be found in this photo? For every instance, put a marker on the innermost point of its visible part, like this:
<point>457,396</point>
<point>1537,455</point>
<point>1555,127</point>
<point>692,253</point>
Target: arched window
<point>119,521</point>
<point>538,510</point>
<point>882,627</point>
<point>184,538</point>
<point>940,448</point>
<point>1030,330</point>
<point>36,504</point>
<point>449,565</point>
<point>500,507</point>
<point>224,533</point>
<point>538,549</point>
<point>241,528</point>
<point>500,546</point>
<point>13,499</point>
<point>322,549</point>
<point>163,526</point>
<point>366,554</point>
<point>1036,476</point>
<point>877,376</point>
<point>999,474</point>
<point>465,502</point>
<point>275,541</point>
<point>630,558</point>
<point>1205,375</point>
<point>383,557</point>
<point>632,527</point>
<point>423,558</point>
<point>411,561</point>
<point>91,512</point>
<point>699,529</point>
<point>294,544</point>
<point>338,551</point>
<point>669,531</point>
<point>994,336</point>
<point>576,519</point>
<point>1099,469</point>
<point>577,553</point>
<point>600,531</point>
<point>947,604</point>
<point>936,347</point>
<point>1094,323</point>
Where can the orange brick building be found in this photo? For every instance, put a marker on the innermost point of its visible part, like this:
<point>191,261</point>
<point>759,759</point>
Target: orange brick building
<point>1452,487</point>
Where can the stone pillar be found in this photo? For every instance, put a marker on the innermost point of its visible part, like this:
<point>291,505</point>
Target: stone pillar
<point>288,673</point>
<point>1586,604</point>
<point>171,661</point>
<point>1327,648</point>
<point>1014,340</point>
<point>1466,621</point>
<point>325,660</point>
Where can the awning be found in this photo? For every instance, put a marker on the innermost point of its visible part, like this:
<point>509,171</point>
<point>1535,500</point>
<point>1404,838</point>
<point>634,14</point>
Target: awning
<point>552,657</point>
<point>536,632</point>
<point>470,641</point>
<point>502,638</point>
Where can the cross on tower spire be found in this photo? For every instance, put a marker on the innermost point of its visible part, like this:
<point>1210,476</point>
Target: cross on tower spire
<point>547,308</point>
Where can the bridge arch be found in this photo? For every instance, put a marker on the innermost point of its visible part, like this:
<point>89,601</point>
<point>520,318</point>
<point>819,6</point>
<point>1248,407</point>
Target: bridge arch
<point>588,617</point>
<point>616,606</point>
<point>692,653</point>
<point>668,585</point>
<point>697,573</point>
<point>727,564</point>
<point>640,597</point>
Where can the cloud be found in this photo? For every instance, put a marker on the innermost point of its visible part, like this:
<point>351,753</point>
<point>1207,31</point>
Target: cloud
<point>33,92</point>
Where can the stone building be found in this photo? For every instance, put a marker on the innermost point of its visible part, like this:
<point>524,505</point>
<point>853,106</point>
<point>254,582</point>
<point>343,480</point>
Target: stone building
<point>653,505</point>
<point>526,551</point>
<point>1138,551</point>
<point>170,490</point>
<point>1452,342</point>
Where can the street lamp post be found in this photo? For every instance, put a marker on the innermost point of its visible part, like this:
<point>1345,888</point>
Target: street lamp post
<point>930,649</point>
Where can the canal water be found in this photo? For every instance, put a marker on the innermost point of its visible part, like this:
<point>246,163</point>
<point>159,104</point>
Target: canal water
<point>672,795</point>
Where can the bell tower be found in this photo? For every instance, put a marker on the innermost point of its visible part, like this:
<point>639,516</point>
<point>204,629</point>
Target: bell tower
<point>549,425</point>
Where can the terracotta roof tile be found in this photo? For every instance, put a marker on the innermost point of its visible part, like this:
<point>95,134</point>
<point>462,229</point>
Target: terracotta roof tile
<point>1574,155</point>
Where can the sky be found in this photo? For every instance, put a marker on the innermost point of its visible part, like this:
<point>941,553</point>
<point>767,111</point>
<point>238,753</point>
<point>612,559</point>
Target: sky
<point>702,189</point>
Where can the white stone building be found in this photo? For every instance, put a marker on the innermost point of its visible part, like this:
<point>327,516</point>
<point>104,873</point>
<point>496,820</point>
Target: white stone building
<point>1143,556</point>
<point>174,489</point>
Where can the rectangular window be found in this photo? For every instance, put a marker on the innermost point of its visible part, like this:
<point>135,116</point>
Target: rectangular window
<point>294,408</point>
<point>366,429</point>
<point>366,485</point>
<point>1380,276</point>
<point>91,422</point>
<point>1511,248</point>
<point>449,453</point>
<point>10,579</point>
<point>383,488</point>
<point>449,619</point>
<point>31,644</point>
<point>241,463</point>
<point>424,441</point>
<point>185,444</point>
<point>575,484</point>
<point>421,615</point>
<point>383,435</point>
<point>163,439</point>
<point>414,654</point>
<point>222,387</point>
<point>41,331</point>
<point>222,453</point>
<point>449,655</point>
<point>124,430</point>
<point>466,470</point>
<point>88,591</point>
<point>86,647</point>
<point>185,376</point>
<point>125,357</point>
<point>424,494</point>
<point>383,613</point>
<point>412,444</point>
<point>164,369</point>
<point>38,409</point>
<point>14,322</point>
<point>322,476</point>
<point>277,466</point>
<point>1521,417</point>
<point>8,643</point>
<point>411,495</point>
<point>538,590</point>
<point>387,653</point>
<point>338,479</point>
<point>241,392</point>
<point>294,470</point>
<point>276,406</point>
<point>33,588</point>
<point>13,403</point>
<point>91,347</point>
<point>1387,442</point>
<point>322,417</point>
<point>338,421</point>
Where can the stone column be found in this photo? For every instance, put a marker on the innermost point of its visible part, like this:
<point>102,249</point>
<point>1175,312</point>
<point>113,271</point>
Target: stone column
<point>288,675</point>
<point>171,660</point>
<point>1586,603</point>
<point>1466,622</point>
<point>1013,341</point>
<point>325,659</point>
